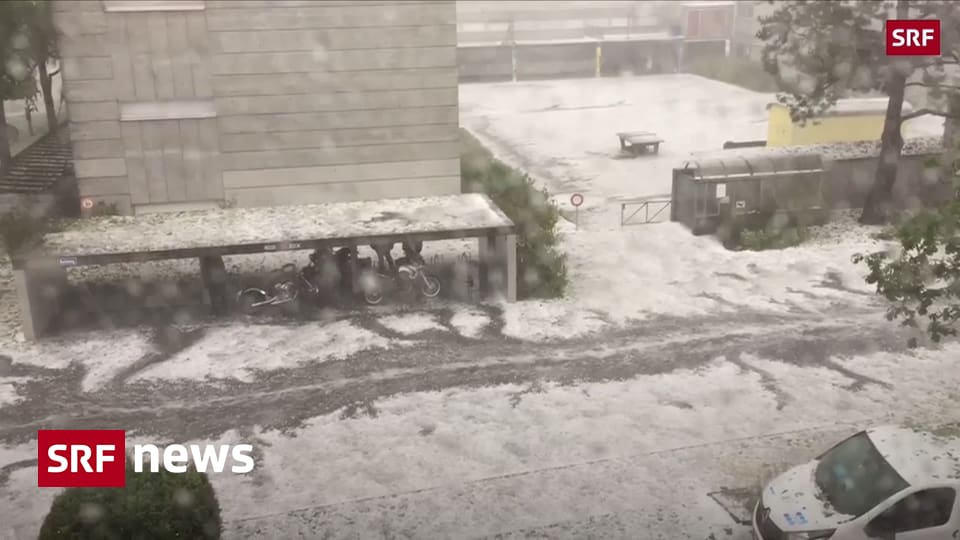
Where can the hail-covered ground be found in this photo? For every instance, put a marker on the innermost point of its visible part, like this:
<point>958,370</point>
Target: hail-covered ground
<point>652,401</point>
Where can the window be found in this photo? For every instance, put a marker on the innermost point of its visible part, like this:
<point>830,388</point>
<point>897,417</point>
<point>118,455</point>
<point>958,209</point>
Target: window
<point>920,510</point>
<point>745,10</point>
<point>854,477</point>
<point>121,6</point>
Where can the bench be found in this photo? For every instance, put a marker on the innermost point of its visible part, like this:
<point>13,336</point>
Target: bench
<point>635,143</point>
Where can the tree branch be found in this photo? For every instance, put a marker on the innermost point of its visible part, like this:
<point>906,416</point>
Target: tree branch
<point>924,112</point>
<point>925,85</point>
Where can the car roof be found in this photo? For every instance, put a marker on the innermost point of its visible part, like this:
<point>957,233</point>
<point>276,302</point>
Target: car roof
<point>919,456</point>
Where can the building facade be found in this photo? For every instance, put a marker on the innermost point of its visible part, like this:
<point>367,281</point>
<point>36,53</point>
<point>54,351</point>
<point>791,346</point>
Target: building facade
<point>530,39</point>
<point>747,24</point>
<point>191,104</point>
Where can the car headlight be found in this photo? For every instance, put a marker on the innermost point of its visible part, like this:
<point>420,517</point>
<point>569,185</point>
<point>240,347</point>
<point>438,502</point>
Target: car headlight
<point>810,535</point>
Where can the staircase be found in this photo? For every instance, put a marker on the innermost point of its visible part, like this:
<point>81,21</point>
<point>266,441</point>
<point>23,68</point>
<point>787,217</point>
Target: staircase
<point>39,167</point>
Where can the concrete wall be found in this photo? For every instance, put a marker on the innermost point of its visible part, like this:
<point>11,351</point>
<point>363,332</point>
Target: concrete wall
<point>260,102</point>
<point>849,181</point>
<point>782,131</point>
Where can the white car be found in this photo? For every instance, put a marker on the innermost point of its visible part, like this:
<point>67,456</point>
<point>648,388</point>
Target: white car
<point>890,483</point>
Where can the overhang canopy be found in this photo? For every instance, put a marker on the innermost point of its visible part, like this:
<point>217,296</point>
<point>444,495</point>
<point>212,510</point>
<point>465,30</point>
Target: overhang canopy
<point>739,166</point>
<point>265,229</point>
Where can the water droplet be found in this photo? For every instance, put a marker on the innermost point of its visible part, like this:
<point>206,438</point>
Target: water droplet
<point>183,498</point>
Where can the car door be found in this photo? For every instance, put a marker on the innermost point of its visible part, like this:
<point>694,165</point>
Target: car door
<point>924,514</point>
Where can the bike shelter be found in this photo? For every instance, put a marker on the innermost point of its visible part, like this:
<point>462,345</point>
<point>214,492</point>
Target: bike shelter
<point>733,190</point>
<point>40,274</point>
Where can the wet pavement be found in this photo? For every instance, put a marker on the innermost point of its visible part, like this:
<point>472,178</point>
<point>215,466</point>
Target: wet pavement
<point>285,398</point>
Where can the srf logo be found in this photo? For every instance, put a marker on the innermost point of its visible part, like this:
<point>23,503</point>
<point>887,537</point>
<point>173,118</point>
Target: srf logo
<point>913,37</point>
<point>81,458</point>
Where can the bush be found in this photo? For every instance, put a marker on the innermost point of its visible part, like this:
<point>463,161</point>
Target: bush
<point>102,209</point>
<point>541,268</point>
<point>772,239</point>
<point>19,229</point>
<point>156,506</point>
<point>739,71</point>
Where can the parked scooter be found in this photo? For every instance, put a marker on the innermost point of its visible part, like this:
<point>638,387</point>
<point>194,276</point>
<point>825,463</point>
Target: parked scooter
<point>409,275</point>
<point>290,290</point>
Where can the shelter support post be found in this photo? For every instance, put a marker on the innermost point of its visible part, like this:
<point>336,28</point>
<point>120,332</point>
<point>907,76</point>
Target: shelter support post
<point>214,275</point>
<point>498,266</point>
<point>355,285</point>
<point>39,291</point>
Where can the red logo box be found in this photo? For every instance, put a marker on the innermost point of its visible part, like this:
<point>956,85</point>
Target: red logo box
<point>912,37</point>
<point>81,458</point>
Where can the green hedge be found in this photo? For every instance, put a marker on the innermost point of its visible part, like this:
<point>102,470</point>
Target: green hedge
<point>541,267</point>
<point>152,506</point>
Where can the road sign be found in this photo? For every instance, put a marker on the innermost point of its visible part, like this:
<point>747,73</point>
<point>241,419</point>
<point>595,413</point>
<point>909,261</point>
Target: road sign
<point>576,199</point>
<point>86,204</point>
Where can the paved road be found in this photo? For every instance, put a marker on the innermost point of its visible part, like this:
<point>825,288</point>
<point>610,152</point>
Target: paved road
<point>701,492</point>
<point>287,397</point>
<point>646,496</point>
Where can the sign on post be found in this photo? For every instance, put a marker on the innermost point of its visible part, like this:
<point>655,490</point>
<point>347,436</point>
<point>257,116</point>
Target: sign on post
<point>576,200</point>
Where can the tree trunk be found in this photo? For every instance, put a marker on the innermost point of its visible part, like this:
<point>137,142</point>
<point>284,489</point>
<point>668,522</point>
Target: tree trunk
<point>950,161</point>
<point>46,87</point>
<point>4,141</point>
<point>879,202</point>
<point>878,206</point>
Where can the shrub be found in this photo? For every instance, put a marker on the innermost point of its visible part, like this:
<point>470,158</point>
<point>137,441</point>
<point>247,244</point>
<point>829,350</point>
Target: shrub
<point>156,506</point>
<point>772,239</point>
<point>20,228</point>
<point>102,209</point>
<point>541,267</point>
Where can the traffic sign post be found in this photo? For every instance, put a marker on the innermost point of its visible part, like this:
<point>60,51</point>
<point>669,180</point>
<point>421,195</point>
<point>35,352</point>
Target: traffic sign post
<point>576,200</point>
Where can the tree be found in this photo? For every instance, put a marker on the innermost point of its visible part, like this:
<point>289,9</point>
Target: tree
<point>824,51</point>
<point>16,81</point>
<point>922,283</point>
<point>160,505</point>
<point>43,50</point>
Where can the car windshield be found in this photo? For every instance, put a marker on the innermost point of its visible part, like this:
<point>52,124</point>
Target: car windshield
<point>854,477</point>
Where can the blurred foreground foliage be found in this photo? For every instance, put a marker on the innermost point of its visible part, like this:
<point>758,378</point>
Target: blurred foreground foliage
<point>157,506</point>
<point>25,226</point>
<point>541,267</point>
<point>20,228</point>
<point>742,72</point>
<point>921,281</point>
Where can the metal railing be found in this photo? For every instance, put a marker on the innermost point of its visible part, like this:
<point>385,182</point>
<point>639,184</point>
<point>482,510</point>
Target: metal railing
<point>629,211</point>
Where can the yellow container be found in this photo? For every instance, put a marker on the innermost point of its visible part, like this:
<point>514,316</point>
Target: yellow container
<point>850,120</point>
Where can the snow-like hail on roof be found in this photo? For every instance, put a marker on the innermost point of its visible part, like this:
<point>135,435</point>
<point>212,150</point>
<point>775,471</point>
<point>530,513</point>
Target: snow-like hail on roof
<point>918,456</point>
<point>852,106</point>
<point>916,146</point>
<point>237,226</point>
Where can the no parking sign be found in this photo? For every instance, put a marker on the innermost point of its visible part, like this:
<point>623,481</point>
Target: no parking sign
<point>576,200</point>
